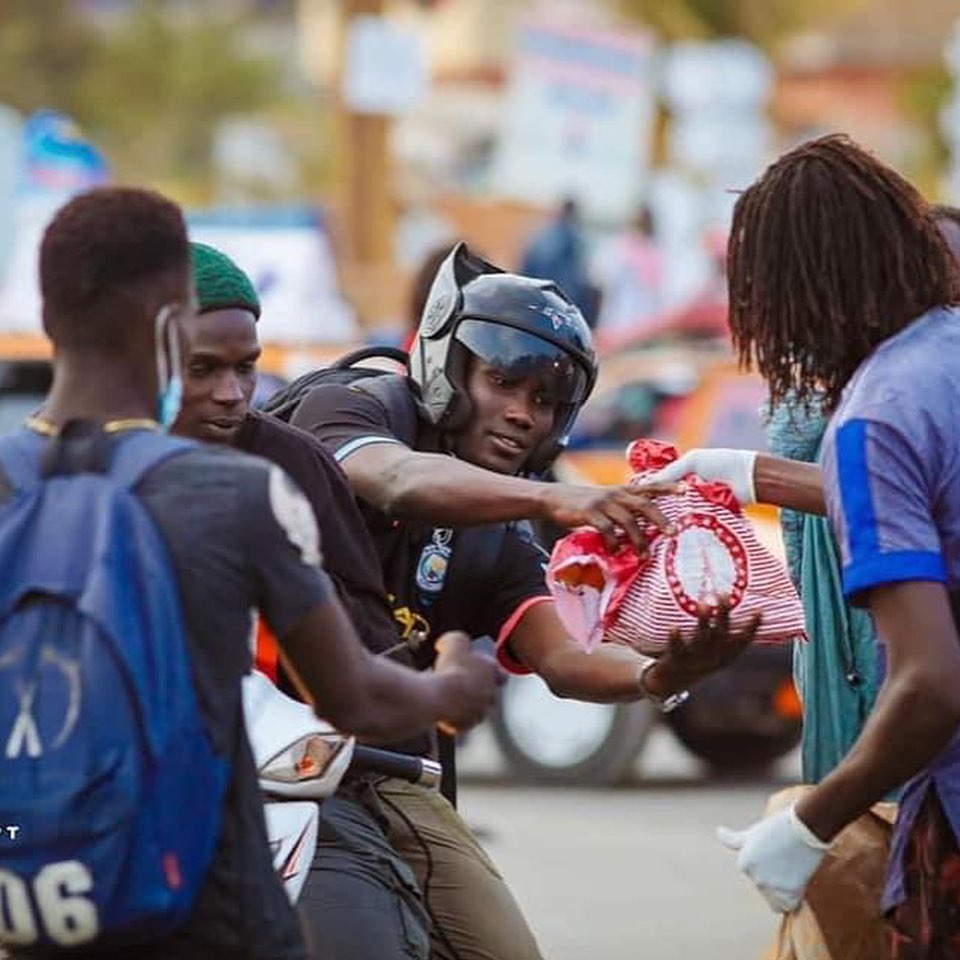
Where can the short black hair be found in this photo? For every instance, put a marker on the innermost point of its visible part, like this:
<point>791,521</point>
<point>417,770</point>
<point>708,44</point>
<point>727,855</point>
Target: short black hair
<point>109,253</point>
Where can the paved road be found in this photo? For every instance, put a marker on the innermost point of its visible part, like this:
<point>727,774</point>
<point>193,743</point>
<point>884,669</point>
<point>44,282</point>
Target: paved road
<point>627,874</point>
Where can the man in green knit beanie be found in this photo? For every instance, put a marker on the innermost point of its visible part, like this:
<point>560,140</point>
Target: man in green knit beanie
<point>221,372</point>
<point>361,899</point>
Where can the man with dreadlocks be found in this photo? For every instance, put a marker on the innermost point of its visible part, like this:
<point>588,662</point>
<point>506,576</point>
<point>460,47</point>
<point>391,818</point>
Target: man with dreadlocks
<point>842,287</point>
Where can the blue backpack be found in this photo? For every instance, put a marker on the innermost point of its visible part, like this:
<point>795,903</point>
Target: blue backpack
<point>110,790</point>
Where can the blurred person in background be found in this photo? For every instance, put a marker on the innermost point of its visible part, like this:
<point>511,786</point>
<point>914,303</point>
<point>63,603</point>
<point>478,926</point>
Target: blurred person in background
<point>842,286</point>
<point>630,272</point>
<point>558,252</point>
<point>360,899</point>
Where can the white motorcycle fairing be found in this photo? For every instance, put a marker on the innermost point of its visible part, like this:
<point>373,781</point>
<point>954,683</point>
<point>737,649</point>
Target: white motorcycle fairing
<point>297,755</point>
<point>292,831</point>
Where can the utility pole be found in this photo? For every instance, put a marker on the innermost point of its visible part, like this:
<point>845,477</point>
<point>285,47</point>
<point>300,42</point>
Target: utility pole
<point>379,77</point>
<point>368,171</point>
<point>368,270</point>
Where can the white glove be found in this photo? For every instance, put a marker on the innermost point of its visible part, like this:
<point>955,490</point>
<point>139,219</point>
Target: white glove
<point>779,854</point>
<point>732,467</point>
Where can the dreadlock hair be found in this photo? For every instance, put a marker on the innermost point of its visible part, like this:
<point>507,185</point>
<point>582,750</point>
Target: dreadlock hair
<point>110,257</point>
<point>831,252</point>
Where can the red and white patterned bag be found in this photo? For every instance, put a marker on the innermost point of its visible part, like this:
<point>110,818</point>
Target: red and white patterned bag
<point>604,597</point>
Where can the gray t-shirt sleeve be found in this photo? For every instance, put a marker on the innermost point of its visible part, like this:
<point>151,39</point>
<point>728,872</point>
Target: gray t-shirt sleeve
<point>881,504</point>
<point>344,418</point>
<point>282,542</point>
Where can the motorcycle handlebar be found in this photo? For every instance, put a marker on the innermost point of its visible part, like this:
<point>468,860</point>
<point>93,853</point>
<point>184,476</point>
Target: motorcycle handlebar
<point>420,770</point>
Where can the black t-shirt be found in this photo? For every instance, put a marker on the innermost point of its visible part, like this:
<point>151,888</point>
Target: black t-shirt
<point>350,558</point>
<point>433,585</point>
<point>241,537</point>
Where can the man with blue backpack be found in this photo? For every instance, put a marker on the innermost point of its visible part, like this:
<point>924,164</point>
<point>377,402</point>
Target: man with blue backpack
<point>130,564</point>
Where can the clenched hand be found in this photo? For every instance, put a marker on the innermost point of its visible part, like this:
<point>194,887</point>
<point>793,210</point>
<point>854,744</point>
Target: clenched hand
<point>475,677</point>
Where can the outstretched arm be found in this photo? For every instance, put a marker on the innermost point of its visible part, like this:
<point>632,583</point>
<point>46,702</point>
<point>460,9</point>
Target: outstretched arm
<point>610,674</point>
<point>789,483</point>
<point>440,489</point>
<point>753,477</point>
<point>405,483</point>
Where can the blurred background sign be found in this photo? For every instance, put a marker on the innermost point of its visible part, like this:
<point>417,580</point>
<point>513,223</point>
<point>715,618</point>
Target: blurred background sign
<point>52,160</point>
<point>385,67</point>
<point>950,116</point>
<point>57,159</point>
<point>718,93</point>
<point>578,115</point>
<point>719,138</point>
<point>288,255</point>
<point>285,250</point>
<point>11,126</point>
<point>251,158</point>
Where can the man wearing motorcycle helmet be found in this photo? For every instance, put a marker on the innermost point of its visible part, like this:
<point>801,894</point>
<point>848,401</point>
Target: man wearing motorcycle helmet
<point>444,464</point>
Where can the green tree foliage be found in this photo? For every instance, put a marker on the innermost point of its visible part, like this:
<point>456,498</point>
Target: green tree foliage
<point>44,48</point>
<point>924,94</point>
<point>765,22</point>
<point>148,88</point>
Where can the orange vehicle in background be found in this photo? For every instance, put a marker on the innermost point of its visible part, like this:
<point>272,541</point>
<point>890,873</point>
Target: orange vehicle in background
<point>26,373</point>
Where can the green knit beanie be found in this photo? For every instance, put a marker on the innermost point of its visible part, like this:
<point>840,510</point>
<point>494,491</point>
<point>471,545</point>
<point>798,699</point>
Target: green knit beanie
<point>220,283</point>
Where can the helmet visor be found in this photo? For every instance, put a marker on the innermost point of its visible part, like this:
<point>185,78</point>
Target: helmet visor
<point>519,355</point>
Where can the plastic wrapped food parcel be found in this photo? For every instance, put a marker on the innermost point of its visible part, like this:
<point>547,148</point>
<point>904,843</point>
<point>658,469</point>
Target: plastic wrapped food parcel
<point>639,600</point>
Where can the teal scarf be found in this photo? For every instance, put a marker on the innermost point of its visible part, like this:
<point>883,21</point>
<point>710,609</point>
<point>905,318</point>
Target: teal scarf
<point>837,671</point>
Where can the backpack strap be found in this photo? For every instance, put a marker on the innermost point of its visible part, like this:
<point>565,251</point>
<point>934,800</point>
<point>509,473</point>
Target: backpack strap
<point>140,451</point>
<point>366,353</point>
<point>283,403</point>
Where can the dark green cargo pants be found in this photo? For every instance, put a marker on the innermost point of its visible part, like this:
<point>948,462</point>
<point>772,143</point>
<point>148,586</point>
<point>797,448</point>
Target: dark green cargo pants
<point>361,901</point>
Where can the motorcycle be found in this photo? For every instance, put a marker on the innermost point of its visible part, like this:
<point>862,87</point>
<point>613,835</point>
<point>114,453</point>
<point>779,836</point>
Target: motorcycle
<point>300,760</point>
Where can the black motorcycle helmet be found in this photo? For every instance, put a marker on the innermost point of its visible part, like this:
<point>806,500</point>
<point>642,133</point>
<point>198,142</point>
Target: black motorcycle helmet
<point>517,324</point>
